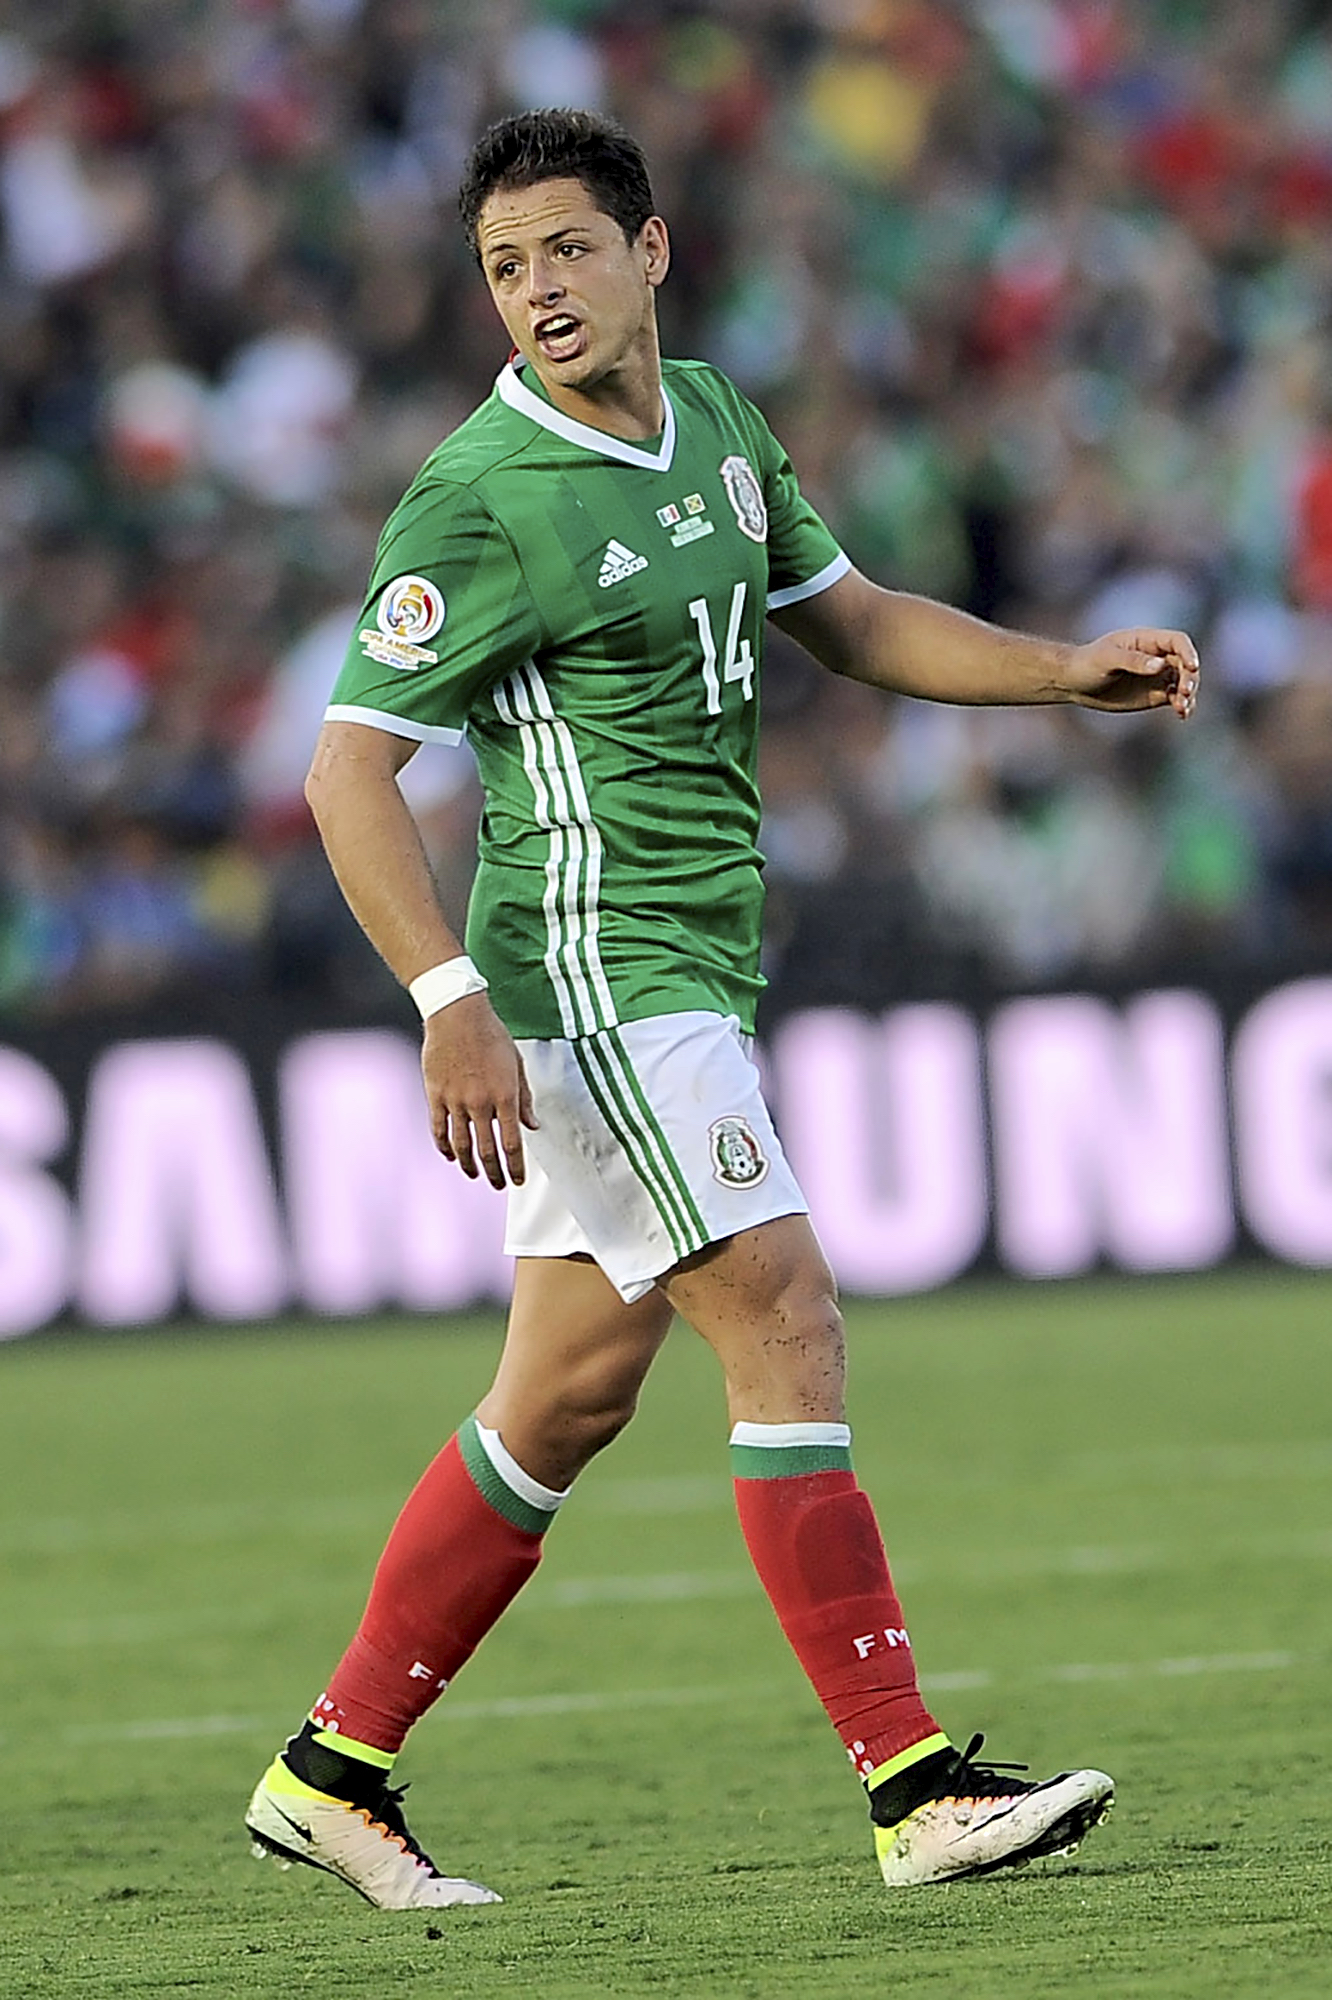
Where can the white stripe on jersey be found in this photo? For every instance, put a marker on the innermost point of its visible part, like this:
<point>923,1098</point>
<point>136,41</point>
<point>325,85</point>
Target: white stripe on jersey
<point>554,855</point>
<point>583,809</point>
<point>573,862</point>
<point>564,817</point>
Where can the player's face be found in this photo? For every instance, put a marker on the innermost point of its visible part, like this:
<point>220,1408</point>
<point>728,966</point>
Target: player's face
<point>575,297</point>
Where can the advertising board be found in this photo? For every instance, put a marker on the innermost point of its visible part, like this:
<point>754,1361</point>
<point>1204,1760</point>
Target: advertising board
<point>259,1166</point>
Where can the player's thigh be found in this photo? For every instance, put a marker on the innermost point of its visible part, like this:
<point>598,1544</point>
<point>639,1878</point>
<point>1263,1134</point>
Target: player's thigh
<point>574,1358</point>
<point>765,1301</point>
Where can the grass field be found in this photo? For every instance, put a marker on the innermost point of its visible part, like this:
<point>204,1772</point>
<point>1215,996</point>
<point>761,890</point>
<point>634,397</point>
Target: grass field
<point>1110,1509</point>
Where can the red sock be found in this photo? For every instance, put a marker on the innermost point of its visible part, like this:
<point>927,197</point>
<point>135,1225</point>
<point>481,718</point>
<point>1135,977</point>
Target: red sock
<point>816,1546</point>
<point>459,1552</point>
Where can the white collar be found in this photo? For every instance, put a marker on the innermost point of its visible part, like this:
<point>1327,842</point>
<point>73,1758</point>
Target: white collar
<point>515,392</point>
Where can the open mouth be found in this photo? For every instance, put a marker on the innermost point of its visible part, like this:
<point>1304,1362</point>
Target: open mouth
<point>560,336</point>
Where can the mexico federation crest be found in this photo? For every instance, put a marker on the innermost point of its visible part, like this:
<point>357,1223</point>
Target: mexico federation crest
<point>738,1160</point>
<point>746,496</point>
<point>411,610</point>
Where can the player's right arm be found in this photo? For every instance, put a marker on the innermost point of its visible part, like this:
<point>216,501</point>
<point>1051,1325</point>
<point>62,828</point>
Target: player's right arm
<point>474,1081</point>
<point>448,612</point>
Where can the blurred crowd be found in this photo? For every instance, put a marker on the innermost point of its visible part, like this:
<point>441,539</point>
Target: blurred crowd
<point>1038,293</point>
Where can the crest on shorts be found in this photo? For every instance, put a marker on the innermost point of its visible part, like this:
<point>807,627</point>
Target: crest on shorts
<point>746,496</point>
<point>411,610</point>
<point>738,1160</point>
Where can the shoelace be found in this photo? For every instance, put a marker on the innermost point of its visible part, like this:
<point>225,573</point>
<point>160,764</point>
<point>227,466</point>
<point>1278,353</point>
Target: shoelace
<point>982,1781</point>
<point>388,1811</point>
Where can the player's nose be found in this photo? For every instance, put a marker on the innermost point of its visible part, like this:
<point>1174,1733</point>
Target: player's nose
<point>545,288</point>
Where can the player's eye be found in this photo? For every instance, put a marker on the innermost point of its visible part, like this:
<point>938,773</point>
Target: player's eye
<point>569,250</point>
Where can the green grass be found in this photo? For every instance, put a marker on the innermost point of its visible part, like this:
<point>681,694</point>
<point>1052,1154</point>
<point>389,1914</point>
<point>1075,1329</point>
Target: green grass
<point>1110,1508</point>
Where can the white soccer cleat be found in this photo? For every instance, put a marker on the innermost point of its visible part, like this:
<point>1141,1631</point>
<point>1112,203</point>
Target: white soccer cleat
<point>977,1817</point>
<point>368,1847</point>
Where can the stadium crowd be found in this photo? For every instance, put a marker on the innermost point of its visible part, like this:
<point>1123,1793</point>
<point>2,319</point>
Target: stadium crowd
<point>1037,292</point>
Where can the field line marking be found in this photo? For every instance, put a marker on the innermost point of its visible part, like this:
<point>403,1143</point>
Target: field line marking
<point>144,1628</point>
<point>1228,1663</point>
<point>511,1706</point>
<point>502,1708</point>
<point>577,1593</point>
<point>666,1587</point>
<point>56,1538</point>
<point>517,1707</point>
<point>669,1493</point>
<point>1197,1663</point>
<point>69,1534</point>
<point>1298,1458</point>
<point>160,1729</point>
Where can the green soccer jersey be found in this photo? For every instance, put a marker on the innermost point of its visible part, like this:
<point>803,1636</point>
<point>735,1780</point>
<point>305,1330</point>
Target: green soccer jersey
<point>591,613</point>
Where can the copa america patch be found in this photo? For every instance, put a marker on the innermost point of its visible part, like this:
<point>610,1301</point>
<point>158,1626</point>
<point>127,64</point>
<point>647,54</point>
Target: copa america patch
<point>738,1160</point>
<point>411,607</point>
<point>411,610</point>
<point>746,496</point>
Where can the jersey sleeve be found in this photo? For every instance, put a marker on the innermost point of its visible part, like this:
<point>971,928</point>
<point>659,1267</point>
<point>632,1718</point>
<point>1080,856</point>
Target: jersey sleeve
<point>804,556</point>
<point>447,614</point>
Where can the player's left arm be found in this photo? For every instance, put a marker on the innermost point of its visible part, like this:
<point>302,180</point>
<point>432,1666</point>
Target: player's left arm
<point>911,645</point>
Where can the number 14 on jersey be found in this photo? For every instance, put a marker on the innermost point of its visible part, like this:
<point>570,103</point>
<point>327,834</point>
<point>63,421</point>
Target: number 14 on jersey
<point>738,660</point>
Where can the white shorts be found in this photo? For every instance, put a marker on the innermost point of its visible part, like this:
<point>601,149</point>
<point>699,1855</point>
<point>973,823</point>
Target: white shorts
<point>654,1141</point>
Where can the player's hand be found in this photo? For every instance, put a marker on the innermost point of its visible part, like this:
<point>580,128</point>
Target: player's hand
<point>1144,668</point>
<point>477,1090</point>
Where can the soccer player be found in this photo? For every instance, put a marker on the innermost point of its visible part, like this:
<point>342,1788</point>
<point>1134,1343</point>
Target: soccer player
<point>579,577</point>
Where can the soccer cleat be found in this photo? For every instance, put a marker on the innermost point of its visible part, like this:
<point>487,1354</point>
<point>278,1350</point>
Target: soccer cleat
<point>952,1818</point>
<point>368,1846</point>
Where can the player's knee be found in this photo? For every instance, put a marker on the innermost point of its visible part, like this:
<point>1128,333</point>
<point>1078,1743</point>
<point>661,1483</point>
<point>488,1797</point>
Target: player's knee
<point>802,1342</point>
<point>555,1436</point>
<point>593,1413</point>
<point>804,1301</point>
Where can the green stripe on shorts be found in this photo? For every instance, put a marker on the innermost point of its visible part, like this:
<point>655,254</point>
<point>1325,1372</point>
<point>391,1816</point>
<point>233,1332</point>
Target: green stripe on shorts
<point>610,1098</point>
<point>681,1181</point>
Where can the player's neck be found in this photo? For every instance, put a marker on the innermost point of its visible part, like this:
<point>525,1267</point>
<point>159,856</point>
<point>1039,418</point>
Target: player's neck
<point>626,402</point>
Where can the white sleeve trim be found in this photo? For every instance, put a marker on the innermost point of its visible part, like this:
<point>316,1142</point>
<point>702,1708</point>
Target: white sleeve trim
<point>392,725</point>
<point>779,1437</point>
<point>830,574</point>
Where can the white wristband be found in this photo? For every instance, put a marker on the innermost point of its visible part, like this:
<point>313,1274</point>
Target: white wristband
<point>443,984</point>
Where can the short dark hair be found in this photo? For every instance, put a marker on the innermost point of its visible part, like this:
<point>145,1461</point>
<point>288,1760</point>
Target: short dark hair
<point>557,145</point>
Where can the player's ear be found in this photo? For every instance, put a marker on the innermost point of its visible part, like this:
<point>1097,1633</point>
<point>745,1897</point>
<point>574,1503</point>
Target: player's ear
<point>655,243</point>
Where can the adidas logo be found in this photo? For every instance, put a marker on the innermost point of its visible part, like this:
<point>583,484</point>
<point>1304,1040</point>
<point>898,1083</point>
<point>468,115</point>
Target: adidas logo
<point>618,563</point>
